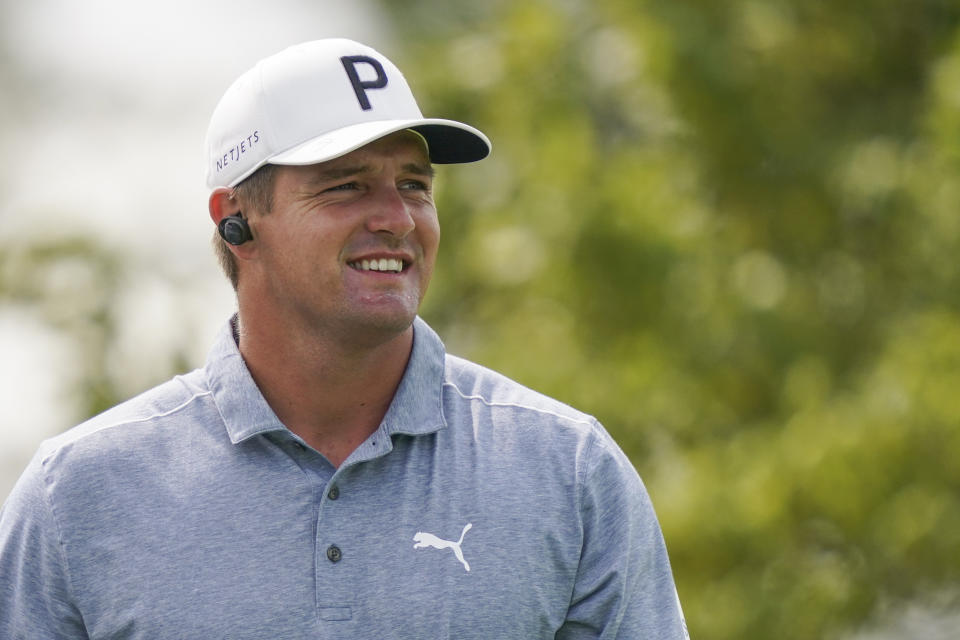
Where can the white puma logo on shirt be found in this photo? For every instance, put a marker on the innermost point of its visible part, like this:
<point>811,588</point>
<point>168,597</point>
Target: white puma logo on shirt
<point>423,540</point>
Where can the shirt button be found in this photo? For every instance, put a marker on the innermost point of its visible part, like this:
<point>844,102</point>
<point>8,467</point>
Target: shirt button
<point>333,553</point>
<point>334,492</point>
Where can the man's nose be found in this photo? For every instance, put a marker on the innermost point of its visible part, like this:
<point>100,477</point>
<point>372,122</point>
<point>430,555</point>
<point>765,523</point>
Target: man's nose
<point>390,213</point>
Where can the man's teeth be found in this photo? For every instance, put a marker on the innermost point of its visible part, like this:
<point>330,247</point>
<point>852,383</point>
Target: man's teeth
<point>383,264</point>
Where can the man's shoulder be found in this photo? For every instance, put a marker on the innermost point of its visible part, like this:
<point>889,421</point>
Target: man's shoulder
<point>149,414</point>
<point>497,413</point>
<point>472,382</point>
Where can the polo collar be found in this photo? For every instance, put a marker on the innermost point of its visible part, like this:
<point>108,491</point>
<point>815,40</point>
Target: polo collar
<point>417,405</point>
<point>415,409</point>
<point>244,410</point>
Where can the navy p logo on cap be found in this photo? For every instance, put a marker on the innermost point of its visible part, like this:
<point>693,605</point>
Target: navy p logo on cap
<point>360,86</point>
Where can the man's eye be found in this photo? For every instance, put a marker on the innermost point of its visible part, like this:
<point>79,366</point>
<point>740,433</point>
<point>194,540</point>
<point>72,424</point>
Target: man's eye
<point>414,185</point>
<point>347,186</point>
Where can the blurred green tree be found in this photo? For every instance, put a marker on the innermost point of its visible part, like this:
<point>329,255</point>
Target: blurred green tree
<point>729,230</point>
<point>71,284</point>
<point>75,285</point>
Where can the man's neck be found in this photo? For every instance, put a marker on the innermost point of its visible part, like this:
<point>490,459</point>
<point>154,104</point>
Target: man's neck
<point>331,395</point>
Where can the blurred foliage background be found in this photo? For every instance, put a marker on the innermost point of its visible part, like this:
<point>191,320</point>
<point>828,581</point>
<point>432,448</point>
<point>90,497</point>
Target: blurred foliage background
<point>728,230</point>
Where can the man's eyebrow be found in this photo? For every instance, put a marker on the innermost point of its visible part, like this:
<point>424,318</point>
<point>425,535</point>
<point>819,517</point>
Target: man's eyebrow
<point>338,173</point>
<point>419,169</point>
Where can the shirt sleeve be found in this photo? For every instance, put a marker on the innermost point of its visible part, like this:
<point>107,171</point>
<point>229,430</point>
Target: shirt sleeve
<point>624,586</point>
<point>35,597</point>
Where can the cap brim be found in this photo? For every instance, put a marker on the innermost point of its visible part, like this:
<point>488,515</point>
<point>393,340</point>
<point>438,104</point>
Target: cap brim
<point>448,141</point>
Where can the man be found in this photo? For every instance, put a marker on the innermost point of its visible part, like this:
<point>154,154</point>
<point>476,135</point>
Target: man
<point>331,472</point>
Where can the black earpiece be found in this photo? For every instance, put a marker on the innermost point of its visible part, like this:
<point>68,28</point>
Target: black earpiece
<point>234,229</point>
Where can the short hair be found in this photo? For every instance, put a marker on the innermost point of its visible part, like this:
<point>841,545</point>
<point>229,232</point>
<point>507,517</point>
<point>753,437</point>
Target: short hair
<point>254,192</point>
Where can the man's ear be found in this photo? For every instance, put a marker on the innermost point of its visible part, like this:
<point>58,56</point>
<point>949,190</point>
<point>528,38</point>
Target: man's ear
<point>222,204</point>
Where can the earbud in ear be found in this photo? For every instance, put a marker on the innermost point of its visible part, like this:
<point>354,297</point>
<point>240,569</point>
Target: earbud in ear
<point>234,229</point>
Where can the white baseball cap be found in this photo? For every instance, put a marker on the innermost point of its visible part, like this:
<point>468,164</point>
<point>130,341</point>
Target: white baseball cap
<point>317,101</point>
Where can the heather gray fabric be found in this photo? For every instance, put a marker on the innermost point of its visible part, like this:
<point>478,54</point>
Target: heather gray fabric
<point>479,509</point>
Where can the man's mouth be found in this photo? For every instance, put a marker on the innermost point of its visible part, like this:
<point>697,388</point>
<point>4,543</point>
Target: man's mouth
<point>391,265</point>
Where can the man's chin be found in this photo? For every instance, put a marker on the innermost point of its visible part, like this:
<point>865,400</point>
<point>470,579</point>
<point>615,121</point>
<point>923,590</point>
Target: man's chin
<point>374,329</point>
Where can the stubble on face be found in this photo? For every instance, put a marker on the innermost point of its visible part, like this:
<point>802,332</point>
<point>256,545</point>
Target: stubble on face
<point>331,247</point>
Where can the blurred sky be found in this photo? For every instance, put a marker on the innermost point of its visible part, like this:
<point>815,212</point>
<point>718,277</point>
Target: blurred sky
<point>103,110</point>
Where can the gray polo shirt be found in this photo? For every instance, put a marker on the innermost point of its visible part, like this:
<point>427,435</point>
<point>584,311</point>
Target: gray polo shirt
<point>479,509</point>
